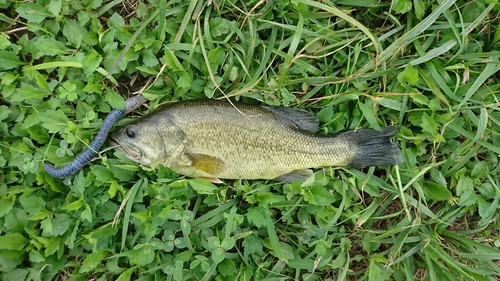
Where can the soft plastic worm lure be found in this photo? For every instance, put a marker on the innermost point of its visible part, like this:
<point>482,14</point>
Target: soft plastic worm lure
<point>89,152</point>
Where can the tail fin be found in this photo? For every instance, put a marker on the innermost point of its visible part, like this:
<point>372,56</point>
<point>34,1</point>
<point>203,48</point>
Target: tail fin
<point>374,148</point>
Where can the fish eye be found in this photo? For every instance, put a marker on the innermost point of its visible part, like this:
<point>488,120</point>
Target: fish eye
<point>131,131</point>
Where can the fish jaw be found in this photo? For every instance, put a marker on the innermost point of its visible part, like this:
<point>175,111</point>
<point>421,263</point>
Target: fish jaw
<point>131,151</point>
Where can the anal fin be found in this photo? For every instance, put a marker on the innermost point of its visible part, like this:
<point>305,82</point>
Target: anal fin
<point>213,180</point>
<point>301,175</point>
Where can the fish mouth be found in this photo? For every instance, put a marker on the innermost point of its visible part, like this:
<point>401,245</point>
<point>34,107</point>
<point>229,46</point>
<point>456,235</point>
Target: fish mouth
<point>132,152</point>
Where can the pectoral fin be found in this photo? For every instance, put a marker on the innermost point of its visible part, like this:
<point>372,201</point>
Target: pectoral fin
<point>207,163</point>
<point>301,175</point>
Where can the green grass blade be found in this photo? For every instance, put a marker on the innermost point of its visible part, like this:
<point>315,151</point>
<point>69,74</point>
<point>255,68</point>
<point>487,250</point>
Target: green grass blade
<point>337,12</point>
<point>273,237</point>
<point>492,67</point>
<point>129,201</point>
<point>436,52</point>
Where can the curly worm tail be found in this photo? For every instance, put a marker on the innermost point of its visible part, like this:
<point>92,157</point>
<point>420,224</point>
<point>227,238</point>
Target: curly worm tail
<point>89,152</point>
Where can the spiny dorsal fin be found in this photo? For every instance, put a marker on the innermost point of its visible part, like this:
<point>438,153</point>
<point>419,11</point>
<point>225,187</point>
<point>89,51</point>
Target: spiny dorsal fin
<point>299,118</point>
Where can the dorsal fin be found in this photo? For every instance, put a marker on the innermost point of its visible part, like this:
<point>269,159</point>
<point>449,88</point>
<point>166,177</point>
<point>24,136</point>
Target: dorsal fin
<point>299,118</point>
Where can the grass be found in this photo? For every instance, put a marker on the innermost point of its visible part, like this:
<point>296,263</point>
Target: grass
<point>430,67</point>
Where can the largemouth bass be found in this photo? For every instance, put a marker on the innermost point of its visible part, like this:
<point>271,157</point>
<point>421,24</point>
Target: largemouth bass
<point>219,140</point>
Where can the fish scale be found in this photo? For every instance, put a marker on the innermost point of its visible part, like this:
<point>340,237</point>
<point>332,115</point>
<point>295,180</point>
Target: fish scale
<point>222,140</point>
<point>279,146</point>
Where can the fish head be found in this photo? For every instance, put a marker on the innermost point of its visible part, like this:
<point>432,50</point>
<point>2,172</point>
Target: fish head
<point>151,140</point>
<point>139,143</point>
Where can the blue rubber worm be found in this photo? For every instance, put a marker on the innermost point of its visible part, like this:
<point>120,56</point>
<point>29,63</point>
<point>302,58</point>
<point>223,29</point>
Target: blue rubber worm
<point>89,152</point>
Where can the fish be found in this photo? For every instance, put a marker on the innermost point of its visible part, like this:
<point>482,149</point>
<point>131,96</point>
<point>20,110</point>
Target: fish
<point>216,140</point>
